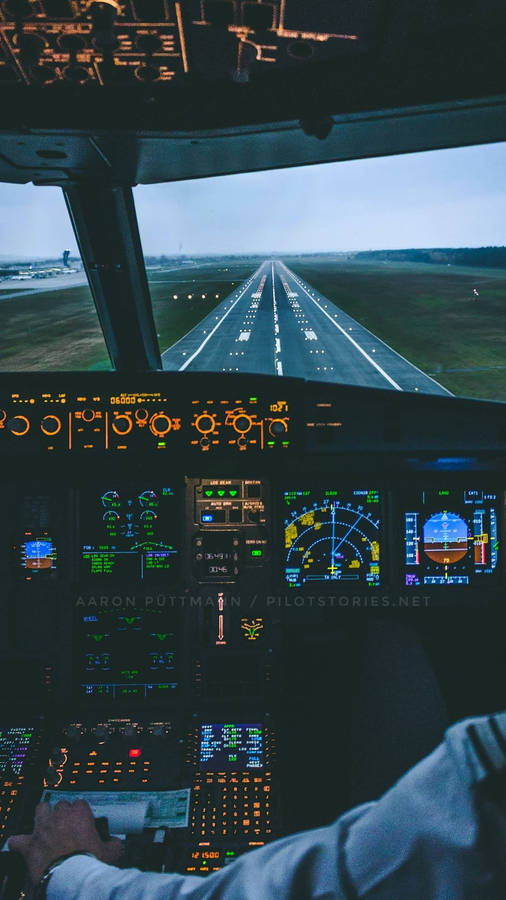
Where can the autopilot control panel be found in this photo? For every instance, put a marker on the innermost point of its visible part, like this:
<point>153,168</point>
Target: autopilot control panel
<point>138,421</point>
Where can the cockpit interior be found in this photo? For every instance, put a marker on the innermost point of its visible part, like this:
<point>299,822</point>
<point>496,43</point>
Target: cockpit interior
<point>252,408</point>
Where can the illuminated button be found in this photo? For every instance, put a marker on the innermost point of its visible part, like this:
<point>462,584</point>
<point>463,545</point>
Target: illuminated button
<point>50,425</point>
<point>160,424</point>
<point>134,752</point>
<point>19,426</point>
<point>122,424</point>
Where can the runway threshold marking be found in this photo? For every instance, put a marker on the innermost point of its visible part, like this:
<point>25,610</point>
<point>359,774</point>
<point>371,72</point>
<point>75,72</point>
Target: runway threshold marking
<point>278,366</point>
<point>209,336</point>
<point>350,339</point>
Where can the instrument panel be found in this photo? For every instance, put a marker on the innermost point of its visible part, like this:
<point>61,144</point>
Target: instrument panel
<point>263,534</point>
<point>185,585</point>
<point>140,422</point>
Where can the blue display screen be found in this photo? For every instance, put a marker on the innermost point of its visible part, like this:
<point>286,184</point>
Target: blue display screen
<point>451,537</point>
<point>14,744</point>
<point>332,534</point>
<point>231,747</point>
<point>38,554</point>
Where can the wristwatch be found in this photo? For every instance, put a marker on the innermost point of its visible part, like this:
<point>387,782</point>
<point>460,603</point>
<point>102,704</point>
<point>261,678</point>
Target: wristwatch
<point>40,890</point>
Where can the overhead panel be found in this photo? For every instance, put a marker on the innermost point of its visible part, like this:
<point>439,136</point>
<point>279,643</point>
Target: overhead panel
<point>76,42</point>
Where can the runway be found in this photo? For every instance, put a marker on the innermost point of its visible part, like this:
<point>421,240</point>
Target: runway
<point>41,285</point>
<point>276,323</point>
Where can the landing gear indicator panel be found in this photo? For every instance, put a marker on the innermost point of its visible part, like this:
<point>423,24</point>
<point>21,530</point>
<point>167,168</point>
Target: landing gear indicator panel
<point>130,533</point>
<point>332,535</point>
<point>451,537</point>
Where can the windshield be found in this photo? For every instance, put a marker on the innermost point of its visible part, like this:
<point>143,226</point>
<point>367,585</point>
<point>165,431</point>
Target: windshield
<point>49,319</point>
<point>387,272</point>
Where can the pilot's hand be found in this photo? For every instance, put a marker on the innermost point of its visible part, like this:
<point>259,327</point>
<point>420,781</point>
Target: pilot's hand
<point>66,828</point>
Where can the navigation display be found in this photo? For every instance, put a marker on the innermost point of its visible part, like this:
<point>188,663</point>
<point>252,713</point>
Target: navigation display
<point>129,533</point>
<point>332,535</point>
<point>231,747</point>
<point>451,537</point>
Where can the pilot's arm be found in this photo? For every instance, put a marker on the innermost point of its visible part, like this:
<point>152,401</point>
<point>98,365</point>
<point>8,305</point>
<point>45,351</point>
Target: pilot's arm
<point>436,834</point>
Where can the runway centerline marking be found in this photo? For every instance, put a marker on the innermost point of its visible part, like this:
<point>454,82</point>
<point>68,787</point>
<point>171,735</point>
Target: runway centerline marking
<point>278,366</point>
<point>204,342</point>
<point>350,339</point>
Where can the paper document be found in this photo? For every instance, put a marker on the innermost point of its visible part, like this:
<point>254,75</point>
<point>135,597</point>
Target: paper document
<point>128,812</point>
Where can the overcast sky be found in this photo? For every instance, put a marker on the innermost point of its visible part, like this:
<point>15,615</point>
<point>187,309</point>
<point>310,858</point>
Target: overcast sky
<point>444,198</point>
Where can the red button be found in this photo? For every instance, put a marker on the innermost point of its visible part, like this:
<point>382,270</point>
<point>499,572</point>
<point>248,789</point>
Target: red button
<point>134,752</point>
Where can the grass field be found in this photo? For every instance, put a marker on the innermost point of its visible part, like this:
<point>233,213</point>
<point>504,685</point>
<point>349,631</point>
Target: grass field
<point>426,312</point>
<point>59,330</point>
<point>174,318</point>
<point>51,330</point>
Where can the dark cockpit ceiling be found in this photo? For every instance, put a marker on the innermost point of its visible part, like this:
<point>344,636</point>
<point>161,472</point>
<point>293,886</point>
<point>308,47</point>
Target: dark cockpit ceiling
<point>156,90</point>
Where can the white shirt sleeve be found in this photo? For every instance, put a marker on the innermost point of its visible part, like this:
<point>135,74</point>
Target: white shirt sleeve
<point>302,865</point>
<point>418,842</point>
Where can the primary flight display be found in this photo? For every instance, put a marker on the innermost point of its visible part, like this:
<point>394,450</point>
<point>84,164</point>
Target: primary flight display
<point>451,537</point>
